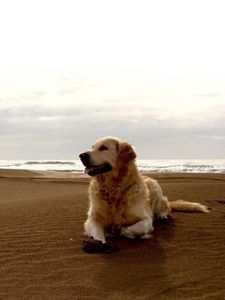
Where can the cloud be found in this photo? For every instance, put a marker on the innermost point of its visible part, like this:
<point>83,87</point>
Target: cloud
<point>210,95</point>
<point>134,115</point>
<point>74,89</point>
<point>49,132</point>
<point>36,95</point>
<point>67,92</point>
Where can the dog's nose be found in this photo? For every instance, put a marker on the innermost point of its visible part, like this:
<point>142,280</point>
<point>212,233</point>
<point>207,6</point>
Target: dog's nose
<point>84,156</point>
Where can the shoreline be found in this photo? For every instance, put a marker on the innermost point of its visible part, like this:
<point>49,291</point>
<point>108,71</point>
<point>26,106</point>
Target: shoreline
<point>10,173</point>
<point>144,165</point>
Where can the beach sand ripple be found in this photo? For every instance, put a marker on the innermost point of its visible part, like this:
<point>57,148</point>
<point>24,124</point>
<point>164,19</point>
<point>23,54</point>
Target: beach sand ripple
<point>41,234</point>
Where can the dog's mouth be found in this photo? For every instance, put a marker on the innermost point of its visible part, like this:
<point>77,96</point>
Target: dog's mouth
<point>97,170</point>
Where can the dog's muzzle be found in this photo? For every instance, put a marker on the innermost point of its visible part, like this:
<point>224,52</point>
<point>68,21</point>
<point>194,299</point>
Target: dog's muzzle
<point>85,158</point>
<point>90,168</point>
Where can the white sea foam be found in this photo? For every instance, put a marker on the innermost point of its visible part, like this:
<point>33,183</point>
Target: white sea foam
<point>163,165</point>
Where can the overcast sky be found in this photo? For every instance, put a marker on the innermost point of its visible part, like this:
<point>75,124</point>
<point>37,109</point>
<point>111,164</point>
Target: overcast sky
<point>151,72</point>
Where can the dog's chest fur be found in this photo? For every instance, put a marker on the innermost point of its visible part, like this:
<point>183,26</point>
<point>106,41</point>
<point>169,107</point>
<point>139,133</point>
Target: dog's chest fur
<point>115,200</point>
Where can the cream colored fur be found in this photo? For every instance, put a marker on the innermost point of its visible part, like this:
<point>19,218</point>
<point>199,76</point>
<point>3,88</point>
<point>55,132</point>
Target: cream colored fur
<point>123,201</point>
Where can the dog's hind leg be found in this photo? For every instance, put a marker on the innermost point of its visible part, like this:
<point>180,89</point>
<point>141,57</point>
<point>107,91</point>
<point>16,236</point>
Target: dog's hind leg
<point>140,229</point>
<point>162,208</point>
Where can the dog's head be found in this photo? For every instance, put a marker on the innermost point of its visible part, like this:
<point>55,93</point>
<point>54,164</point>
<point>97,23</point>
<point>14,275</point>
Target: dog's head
<point>106,155</point>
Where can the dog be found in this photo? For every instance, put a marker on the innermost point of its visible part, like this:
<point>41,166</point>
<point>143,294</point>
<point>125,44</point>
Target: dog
<point>123,201</point>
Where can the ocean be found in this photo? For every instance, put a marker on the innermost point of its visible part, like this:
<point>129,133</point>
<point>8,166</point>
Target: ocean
<point>150,165</point>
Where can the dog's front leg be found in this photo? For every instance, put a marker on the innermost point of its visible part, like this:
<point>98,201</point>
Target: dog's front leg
<point>140,229</point>
<point>95,229</point>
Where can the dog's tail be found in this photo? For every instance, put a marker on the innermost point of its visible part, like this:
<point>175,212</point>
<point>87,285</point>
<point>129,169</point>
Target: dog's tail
<point>181,205</point>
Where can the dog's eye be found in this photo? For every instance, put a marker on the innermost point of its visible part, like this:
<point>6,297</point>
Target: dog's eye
<point>103,148</point>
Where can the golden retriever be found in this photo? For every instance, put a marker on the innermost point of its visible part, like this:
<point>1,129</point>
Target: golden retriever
<point>122,201</point>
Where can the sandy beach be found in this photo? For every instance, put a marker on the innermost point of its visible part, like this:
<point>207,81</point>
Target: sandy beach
<point>41,233</point>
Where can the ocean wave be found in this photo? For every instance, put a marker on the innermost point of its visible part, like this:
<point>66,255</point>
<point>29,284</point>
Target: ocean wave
<point>169,165</point>
<point>50,162</point>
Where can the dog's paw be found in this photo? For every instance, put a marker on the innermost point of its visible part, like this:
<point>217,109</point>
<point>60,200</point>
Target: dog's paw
<point>146,236</point>
<point>125,231</point>
<point>109,247</point>
<point>91,246</point>
<point>94,246</point>
<point>163,215</point>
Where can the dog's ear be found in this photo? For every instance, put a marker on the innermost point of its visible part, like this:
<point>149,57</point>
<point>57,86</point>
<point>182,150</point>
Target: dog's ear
<point>126,152</point>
